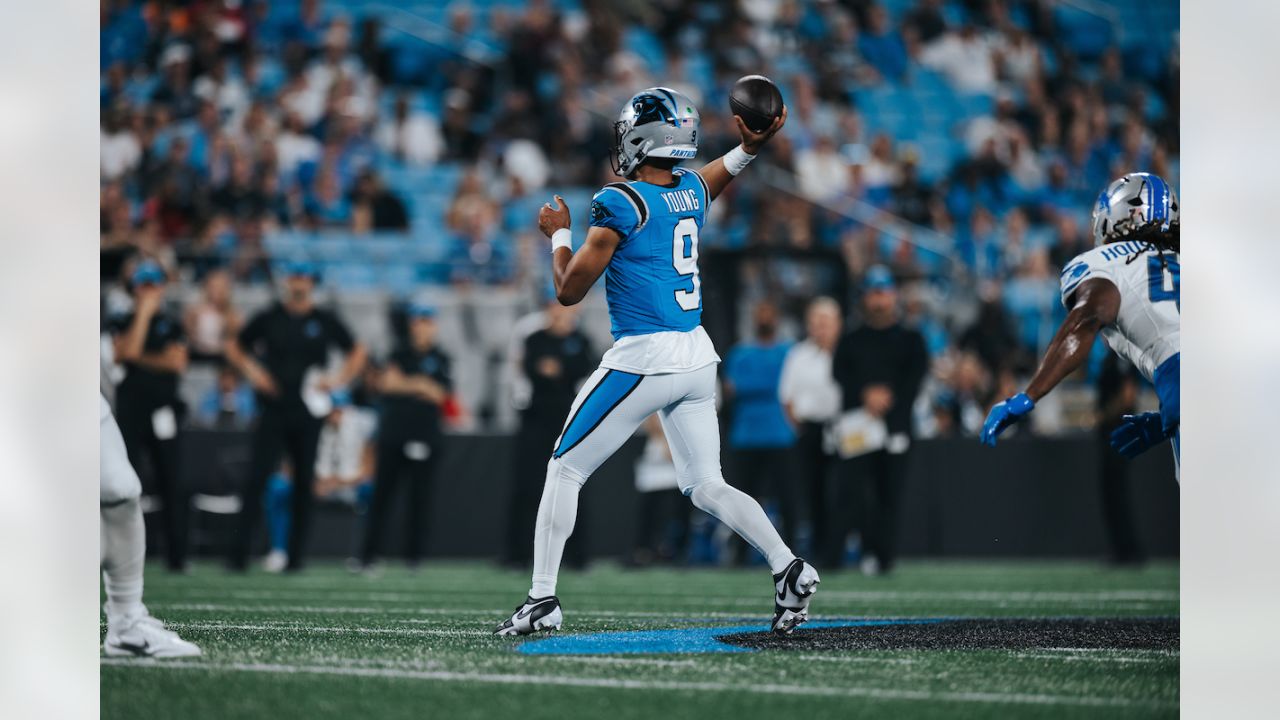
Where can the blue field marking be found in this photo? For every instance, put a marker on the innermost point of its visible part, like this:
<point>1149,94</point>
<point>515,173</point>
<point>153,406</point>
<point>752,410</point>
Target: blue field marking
<point>678,640</point>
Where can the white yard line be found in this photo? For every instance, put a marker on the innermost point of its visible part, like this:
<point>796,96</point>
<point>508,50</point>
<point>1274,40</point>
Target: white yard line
<point>1122,660</point>
<point>626,684</point>
<point>330,629</point>
<point>1008,596</point>
<point>366,610</point>
<point>1020,597</point>
<point>855,659</point>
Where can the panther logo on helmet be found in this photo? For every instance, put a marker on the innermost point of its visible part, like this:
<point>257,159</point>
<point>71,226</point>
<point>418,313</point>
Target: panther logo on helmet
<point>655,123</point>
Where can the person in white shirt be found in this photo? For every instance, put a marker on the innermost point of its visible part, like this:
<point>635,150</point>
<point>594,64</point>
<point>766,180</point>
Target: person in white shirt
<point>966,58</point>
<point>823,172</point>
<point>411,137</point>
<point>811,399</point>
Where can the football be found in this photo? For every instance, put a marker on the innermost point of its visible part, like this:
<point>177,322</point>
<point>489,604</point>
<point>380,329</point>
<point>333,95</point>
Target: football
<point>757,100</point>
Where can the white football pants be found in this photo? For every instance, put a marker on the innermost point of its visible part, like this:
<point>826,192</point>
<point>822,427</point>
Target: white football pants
<point>607,411</point>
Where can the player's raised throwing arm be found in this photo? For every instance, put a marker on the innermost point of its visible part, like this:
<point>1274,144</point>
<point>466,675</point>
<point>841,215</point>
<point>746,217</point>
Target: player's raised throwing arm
<point>719,172</point>
<point>1097,303</point>
<point>575,272</point>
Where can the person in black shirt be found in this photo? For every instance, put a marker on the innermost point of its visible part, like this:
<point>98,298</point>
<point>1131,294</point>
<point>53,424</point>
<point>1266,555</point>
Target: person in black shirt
<point>282,351</point>
<point>1117,397</point>
<point>149,342</point>
<point>415,383</point>
<point>879,367</point>
<point>556,359</point>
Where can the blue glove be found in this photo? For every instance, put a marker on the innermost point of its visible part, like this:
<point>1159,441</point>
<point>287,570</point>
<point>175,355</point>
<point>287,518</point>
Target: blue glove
<point>1003,415</point>
<point>1138,434</point>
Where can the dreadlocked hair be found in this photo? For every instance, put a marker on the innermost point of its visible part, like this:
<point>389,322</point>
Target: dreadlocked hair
<point>1156,239</point>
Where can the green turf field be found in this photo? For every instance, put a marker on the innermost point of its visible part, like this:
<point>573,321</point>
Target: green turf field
<point>328,644</point>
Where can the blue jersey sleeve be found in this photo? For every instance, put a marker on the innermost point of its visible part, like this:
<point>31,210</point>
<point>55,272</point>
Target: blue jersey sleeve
<point>610,208</point>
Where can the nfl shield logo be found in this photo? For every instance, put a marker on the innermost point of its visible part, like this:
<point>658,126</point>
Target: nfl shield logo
<point>668,139</point>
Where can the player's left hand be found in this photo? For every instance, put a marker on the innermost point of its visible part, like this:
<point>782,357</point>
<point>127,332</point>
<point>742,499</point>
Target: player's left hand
<point>753,141</point>
<point>1138,434</point>
<point>1004,414</point>
<point>551,219</point>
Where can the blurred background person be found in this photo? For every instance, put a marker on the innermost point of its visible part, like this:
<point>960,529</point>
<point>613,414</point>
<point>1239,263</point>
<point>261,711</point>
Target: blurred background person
<point>283,351</point>
<point>811,399</point>
<point>662,527</point>
<point>879,366</point>
<point>211,320</point>
<point>149,343</point>
<point>229,404</point>
<point>1117,396</point>
<point>345,462</point>
<point>345,459</point>
<point>555,360</point>
<point>415,385</point>
<point>760,438</point>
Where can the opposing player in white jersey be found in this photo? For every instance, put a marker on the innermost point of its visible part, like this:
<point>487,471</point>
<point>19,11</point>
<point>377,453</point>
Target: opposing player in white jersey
<point>131,630</point>
<point>644,239</point>
<point>1127,288</point>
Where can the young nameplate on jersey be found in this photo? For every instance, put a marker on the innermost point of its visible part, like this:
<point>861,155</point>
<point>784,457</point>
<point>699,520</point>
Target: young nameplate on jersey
<point>1126,288</point>
<point>643,238</point>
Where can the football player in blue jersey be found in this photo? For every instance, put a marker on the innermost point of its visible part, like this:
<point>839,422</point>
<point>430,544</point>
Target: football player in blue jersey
<point>644,239</point>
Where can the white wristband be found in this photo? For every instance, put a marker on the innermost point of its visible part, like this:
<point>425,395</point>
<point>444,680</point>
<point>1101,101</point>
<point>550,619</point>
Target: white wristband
<point>562,238</point>
<point>736,160</point>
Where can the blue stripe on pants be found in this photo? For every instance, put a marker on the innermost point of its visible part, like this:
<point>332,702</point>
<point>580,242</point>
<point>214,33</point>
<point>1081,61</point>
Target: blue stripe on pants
<point>612,389</point>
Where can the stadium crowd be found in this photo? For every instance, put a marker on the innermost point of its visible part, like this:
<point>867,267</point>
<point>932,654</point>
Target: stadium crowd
<point>960,143</point>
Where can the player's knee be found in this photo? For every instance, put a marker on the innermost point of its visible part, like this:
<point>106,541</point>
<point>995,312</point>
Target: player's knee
<point>560,471</point>
<point>694,481</point>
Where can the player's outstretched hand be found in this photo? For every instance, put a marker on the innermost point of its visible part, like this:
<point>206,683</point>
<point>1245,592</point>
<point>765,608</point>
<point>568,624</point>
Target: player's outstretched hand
<point>551,219</point>
<point>753,141</point>
<point>1004,414</point>
<point>1138,434</point>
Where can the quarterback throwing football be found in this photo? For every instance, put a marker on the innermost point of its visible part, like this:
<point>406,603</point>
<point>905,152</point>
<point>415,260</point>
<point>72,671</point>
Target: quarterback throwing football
<point>644,239</point>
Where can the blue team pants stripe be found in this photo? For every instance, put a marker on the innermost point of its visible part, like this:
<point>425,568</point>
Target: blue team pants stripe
<point>608,394</point>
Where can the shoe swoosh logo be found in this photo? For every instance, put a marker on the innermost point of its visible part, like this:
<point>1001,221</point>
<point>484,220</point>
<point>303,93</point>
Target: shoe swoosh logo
<point>136,649</point>
<point>526,611</point>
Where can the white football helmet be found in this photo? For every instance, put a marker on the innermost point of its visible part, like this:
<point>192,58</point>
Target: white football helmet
<point>1131,203</point>
<point>655,123</point>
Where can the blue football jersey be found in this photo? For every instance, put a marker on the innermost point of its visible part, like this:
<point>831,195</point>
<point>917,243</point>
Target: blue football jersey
<point>652,283</point>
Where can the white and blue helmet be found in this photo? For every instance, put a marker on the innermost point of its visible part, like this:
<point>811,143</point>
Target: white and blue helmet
<point>1131,203</point>
<point>655,123</point>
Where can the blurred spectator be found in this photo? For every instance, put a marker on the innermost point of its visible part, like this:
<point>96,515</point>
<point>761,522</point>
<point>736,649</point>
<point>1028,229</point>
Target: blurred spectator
<point>965,57</point>
<point>373,207</point>
<point>229,404</point>
<point>881,45</point>
<point>760,438</point>
<point>811,399</point>
<point>991,337</point>
<point>926,21</point>
<point>344,455</point>
<point>822,173</point>
<point>410,137</point>
<point>1117,396</point>
<point>661,527</point>
<point>120,151</point>
<point>415,384</point>
<point>149,343</point>
<point>555,359</point>
<point>879,367</point>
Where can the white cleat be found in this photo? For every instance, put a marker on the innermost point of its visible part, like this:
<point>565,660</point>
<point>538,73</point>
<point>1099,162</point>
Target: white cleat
<point>145,636</point>
<point>533,616</point>
<point>795,586</point>
<point>275,561</point>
